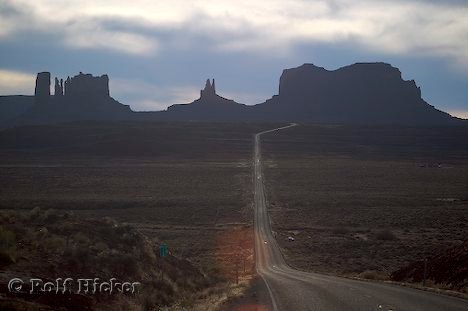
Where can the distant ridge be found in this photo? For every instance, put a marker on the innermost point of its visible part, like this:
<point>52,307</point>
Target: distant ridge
<point>210,106</point>
<point>13,106</point>
<point>362,93</point>
<point>82,97</point>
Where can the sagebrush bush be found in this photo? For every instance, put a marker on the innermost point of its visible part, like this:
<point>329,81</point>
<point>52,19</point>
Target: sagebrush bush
<point>373,275</point>
<point>340,230</point>
<point>7,238</point>
<point>55,244</point>
<point>7,247</point>
<point>386,235</point>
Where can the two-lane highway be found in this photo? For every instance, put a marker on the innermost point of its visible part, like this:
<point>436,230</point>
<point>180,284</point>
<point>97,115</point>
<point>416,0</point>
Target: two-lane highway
<point>291,290</point>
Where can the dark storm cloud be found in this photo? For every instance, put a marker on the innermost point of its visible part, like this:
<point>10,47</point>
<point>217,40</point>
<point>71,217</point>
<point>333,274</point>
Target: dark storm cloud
<point>172,48</point>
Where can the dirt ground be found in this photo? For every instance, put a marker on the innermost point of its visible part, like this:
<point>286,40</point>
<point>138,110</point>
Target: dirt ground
<point>365,201</point>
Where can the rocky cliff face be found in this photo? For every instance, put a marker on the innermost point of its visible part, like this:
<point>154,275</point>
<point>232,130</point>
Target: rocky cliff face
<point>360,93</point>
<point>42,90</point>
<point>363,93</point>
<point>86,86</point>
<point>363,84</point>
<point>58,88</point>
<point>210,106</point>
<point>209,92</point>
<point>82,97</point>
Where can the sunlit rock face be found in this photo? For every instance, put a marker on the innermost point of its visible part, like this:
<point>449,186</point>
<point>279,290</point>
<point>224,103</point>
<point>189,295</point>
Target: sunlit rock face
<point>361,93</point>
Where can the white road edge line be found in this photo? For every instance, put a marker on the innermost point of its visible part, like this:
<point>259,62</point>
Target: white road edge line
<point>272,297</point>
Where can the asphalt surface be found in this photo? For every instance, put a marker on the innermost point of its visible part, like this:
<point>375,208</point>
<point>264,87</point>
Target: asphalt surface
<point>289,289</point>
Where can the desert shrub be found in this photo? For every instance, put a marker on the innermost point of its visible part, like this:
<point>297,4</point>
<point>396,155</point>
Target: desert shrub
<point>77,257</point>
<point>65,229</point>
<point>386,235</point>
<point>340,230</point>
<point>373,275</point>
<point>110,221</point>
<point>81,239</point>
<point>107,232</point>
<point>126,263</point>
<point>100,247</point>
<point>7,257</point>
<point>12,305</point>
<point>7,216</point>
<point>42,233</point>
<point>7,238</point>
<point>122,229</point>
<point>156,294</point>
<point>118,263</point>
<point>55,244</point>
<point>7,247</point>
<point>34,214</point>
<point>51,216</point>
<point>19,230</point>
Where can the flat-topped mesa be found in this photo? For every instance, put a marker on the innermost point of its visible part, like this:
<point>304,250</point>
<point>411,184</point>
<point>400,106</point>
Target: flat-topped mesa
<point>80,87</point>
<point>209,91</point>
<point>42,90</point>
<point>86,86</point>
<point>362,93</point>
<point>360,83</point>
<point>82,97</point>
<point>369,74</point>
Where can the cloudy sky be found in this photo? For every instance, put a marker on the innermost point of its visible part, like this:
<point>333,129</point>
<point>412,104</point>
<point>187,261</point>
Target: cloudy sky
<point>158,53</point>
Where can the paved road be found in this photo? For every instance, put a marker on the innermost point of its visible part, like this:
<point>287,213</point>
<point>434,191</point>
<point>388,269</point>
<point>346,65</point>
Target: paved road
<point>291,290</point>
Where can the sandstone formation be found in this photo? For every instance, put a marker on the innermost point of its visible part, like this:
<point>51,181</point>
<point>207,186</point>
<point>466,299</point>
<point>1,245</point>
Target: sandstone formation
<point>86,86</point>
<point>58,88</point>
<point>209,92</point>
<point>82,97</point>
<point>365,93</point>
<point>210,106</point>
<point>362,93</point>
<point>42,90</point>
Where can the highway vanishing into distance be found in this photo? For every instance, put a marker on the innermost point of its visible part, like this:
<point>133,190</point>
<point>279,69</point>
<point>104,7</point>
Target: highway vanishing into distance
<point>291,290</point>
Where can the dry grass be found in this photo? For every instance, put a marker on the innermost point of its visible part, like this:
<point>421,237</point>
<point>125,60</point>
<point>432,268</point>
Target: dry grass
<point>366,199</point>
<point>187,184</point>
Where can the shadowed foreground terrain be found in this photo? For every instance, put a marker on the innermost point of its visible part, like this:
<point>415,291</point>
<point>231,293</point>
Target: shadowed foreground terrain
<point>51,244</point>
<point>366,201</point>
<point>358,201</point>
<point>186,184</point>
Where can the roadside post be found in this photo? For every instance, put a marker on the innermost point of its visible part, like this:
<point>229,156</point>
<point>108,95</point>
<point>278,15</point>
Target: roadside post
<point>163,251</point>
<point>425,272</point>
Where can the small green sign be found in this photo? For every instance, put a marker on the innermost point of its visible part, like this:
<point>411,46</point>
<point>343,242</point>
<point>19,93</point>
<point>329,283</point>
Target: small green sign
<point>163,250</point>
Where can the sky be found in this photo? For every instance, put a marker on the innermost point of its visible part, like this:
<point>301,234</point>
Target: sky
<point>159,53</point>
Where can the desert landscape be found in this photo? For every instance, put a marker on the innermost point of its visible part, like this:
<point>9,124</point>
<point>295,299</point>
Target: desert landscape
<point>342,201</point>
<point>367,201</point>
<point>188,185</point>
<point>234,155</point>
